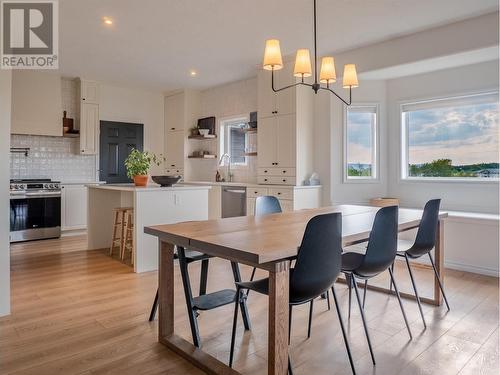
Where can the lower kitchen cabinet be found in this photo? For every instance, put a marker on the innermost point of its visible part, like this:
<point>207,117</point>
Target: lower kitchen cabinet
<point>291,198</point>
<point>73,207</point>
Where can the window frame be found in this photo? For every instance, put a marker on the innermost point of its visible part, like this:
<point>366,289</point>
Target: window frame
<point>403,141</point>
<point>376,147</point>
<point>223,136</point>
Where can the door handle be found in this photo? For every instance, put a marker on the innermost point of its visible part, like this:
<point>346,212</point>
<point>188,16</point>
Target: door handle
<point>235,191</point>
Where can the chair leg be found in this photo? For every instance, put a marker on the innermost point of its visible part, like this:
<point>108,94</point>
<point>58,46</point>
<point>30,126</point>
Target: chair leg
<point>390,283</point>
<point>193,322</point>
<point>400,303</point>
<point>439,281</point>
<point>204,277</point>
<point>364,292</point>
<point>415,290</point>
<point>289,323</point>
<point>290,371</point>
<point>349,283</point>
<point>252,276</point>
<point>311,305</point>
<point>346,341</point>
<point>154,308</point>
<point>363,318</point>
<point>235,321</point>
<point>243,303</point>
<point>328,299</point>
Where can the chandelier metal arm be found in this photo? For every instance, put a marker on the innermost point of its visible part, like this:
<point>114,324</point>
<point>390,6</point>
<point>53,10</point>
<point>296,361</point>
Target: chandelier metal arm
<point>338,96</point>
<point>286,87</point>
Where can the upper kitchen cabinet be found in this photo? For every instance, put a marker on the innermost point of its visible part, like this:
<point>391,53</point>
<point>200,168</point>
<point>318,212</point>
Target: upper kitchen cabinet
<point>285,136</point>
<point>89,91</point>
<point>181,114</point>
<point>272,103</point>
<point>89,117</point>
<point>36,103</point>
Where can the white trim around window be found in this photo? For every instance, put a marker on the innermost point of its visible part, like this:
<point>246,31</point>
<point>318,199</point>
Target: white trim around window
<point>223,122</point>
<point>490,96</point>
<point>368,108</point>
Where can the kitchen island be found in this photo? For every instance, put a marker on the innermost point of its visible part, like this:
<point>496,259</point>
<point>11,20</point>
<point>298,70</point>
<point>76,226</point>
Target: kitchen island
<point>152,205</point>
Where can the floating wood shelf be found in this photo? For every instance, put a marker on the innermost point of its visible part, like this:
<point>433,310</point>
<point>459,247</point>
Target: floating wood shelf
<point>71,135</point>
<point>203,157</point>
<point>200,137</point>
<point>250,154</point>
<point>250,130</point>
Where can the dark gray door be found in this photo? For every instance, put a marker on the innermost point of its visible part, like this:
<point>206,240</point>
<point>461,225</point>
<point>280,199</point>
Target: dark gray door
<point>117,139</point>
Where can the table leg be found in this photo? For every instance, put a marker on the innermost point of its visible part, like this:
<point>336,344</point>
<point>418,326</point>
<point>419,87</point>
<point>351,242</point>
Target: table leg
<point>278,318</point>
<point>439,262</point>
<point>166,290</point>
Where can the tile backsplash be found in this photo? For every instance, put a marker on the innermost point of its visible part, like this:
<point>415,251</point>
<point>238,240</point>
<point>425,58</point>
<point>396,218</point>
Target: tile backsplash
<point>57,158</point>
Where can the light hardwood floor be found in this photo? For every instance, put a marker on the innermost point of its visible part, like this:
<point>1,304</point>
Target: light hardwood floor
<point>81,312</point>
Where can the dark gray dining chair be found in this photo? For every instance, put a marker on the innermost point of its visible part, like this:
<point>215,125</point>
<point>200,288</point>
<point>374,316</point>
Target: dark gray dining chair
<point>425,241</point>
<point>317,267</point>
<point>379,257</point>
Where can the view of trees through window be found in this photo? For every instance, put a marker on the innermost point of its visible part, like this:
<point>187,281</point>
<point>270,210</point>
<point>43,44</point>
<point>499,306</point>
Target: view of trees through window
<point>458,139</point>
<point>360,141</point>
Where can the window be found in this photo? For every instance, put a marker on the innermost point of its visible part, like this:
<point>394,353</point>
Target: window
<point>454,138</point>
<point>233,140</point>
<point>360,150</point>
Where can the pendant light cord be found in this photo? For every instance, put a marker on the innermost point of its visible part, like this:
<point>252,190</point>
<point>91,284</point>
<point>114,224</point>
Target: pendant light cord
<point>315,48</point>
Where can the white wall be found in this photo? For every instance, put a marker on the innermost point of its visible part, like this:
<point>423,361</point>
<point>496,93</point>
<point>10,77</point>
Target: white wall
<point>234,99</point>
<point>5,117</point>
<point>137,106</point>
<point>476,197</point>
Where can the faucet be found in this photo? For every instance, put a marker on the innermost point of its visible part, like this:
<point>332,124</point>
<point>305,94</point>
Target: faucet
<point>227,157</point>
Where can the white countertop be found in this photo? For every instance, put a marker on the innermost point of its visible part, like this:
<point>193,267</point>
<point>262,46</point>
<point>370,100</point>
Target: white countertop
<point>82,182</point>
<point>248,184</point>
<point>150,187</point>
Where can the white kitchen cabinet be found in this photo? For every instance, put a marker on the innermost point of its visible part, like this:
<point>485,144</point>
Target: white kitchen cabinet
<point>267,141</point>
<point>174,150</point>
<point>285,130</point>
<point>73,207</point>
<point>89,129</point>
<point>286,141</point>
<point>272,103</point>
<point>89,91</point>
<point>290,197</point>
<point>174,112</point>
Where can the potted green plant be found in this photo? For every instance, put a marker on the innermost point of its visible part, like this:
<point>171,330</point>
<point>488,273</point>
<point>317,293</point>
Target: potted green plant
<point>138,164</point>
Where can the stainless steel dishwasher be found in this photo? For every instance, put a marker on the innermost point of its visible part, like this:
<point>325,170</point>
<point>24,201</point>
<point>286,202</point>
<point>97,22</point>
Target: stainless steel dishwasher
<point>234,201</point>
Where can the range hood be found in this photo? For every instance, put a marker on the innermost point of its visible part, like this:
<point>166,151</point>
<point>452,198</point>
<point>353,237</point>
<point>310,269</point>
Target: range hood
<point>36,103</point>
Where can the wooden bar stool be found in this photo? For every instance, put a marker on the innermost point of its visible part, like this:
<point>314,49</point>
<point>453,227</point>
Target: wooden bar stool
<point>117,239</point>
<point>128,242</point>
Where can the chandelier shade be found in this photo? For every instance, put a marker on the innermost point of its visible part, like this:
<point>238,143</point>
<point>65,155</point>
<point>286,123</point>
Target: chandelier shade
<point>272,55</point>
<point>327,73</point>
<point>350,77</point>
<point>302,64</point>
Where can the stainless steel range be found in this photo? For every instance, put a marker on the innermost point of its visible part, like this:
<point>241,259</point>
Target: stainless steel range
<point>35,209</point>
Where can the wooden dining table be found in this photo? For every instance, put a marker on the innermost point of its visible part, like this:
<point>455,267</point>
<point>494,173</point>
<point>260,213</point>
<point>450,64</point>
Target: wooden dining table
<point>266,242</point>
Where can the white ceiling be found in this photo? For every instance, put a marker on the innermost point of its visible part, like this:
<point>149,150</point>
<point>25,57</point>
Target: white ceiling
<point>155,43</point>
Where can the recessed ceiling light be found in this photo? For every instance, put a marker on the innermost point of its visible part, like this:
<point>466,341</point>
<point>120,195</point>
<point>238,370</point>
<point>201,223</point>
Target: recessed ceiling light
<point>193,73</point>
<point>107,20</point>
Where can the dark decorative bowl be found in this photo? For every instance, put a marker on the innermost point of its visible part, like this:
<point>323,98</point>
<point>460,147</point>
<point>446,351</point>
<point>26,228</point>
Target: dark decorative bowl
<point>165,181</point>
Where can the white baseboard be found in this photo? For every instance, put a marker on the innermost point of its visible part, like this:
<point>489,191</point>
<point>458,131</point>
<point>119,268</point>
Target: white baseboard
<point>76,232</point>
<point>472,269</point>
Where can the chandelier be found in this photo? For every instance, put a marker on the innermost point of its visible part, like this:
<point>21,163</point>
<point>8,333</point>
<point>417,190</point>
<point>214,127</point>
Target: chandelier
<point>302,69</point>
